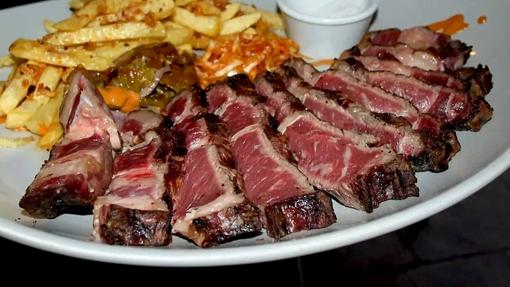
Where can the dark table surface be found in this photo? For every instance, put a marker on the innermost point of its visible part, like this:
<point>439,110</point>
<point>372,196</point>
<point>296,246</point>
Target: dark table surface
<point>466,245</point>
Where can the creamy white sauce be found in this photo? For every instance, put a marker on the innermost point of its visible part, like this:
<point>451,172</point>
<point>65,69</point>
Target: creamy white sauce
<point>329,8</point>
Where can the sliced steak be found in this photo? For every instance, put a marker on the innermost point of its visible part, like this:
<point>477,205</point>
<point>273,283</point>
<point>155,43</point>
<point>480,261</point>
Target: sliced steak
<point>423,153</point>
<point>133,211</point>
<point>287,201</point>
<point>209,205</point>
<point>451,107</point>
<point>342,162</point>
<point>372,98</point>
<point>431,77</point>
<point>80,167</point>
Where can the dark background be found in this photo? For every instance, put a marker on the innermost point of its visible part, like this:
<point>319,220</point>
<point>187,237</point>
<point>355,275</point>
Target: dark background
<point>466,245</point>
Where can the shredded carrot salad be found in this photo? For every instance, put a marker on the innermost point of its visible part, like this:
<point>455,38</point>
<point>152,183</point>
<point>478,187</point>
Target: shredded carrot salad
<point>243,53</point>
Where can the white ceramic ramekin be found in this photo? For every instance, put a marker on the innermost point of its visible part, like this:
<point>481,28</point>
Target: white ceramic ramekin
<point>323,33</point>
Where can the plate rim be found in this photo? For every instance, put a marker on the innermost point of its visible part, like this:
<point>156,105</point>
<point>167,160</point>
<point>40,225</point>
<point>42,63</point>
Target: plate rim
<point>224,256</point>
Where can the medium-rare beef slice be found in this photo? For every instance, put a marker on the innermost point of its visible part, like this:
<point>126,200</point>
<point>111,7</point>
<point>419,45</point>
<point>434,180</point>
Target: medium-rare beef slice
<point>451,107</point>
<point>209,190</point>
<point>372,98</point>
<point>287,201</point>
<point>347,115</point>
<point>340,162</point>
<point>133,212</point>
<point>80,167</point>
<point>443,142</point>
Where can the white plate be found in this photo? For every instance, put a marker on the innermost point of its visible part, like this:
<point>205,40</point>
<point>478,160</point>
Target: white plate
<point>484,156</point>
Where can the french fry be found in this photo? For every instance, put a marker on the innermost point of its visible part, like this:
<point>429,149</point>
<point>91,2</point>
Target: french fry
<point>185,48</point>
<point>158,9</point>
<point>204,8</point>
<point>239,24</point>
<point>115,6</point>
<point>6,61</point>
<point>47,114</point>
<point>58,56</point>
<point>17,88</point>
<point>48,81</point>
<point>247,9</point>
<point>181,3</point>
<point>44,90</point>
<point>208,25</point>
<point>15,142</point>
<point>114,49</point>
<point>199,41</point>
<point>49,26</point>
<point>273,20</point>
<point>112,32</point>
<point>90,9</point>
<point>77,4</point>
<point>72,23</point>
<point>230,11</point>
<point>177,34</point>
<point>52,136</point>
<point>18,117</point>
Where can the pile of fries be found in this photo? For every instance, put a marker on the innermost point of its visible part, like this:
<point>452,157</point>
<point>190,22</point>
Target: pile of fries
<point>99,31</point>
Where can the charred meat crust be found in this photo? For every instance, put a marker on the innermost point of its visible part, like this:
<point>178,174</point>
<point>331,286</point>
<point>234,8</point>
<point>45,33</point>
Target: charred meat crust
<point>312,211</point>
<point>128,226</point>
<point>65,194</point>
<point>382,183</point>
<point>240,221</point>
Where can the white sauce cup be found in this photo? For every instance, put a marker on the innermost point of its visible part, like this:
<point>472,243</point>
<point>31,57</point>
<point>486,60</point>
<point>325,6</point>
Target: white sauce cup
<point>325,28</point>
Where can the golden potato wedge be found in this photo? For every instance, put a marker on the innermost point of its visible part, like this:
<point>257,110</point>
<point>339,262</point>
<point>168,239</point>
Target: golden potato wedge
<point>58,55</point>
<point>230,11</point>
<point>52,136</point>
<point>72,23</point>
<point>117,31</point>
<point>239,24</point>
<point>208,25</point>
<point>15,142</point>
<point>177,34</point>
